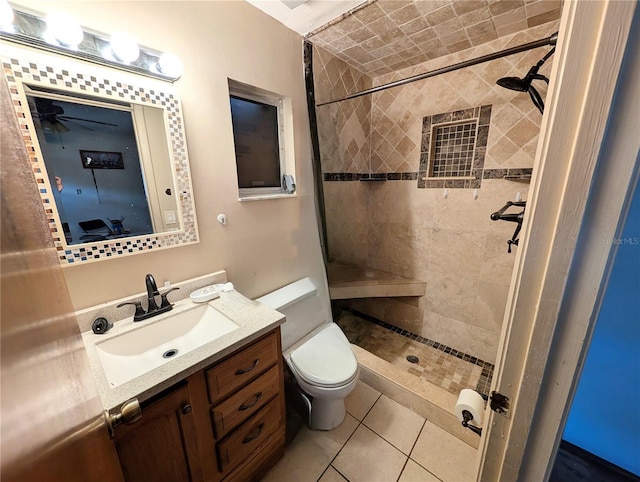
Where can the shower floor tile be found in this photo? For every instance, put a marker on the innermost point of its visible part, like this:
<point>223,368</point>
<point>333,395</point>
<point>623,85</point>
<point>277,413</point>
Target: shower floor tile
<point>433,365</point>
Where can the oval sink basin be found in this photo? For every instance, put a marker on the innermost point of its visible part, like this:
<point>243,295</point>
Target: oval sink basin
<point>156,342</point>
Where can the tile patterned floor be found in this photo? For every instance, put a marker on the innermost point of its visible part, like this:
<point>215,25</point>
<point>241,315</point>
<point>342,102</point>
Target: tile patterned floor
<point>445,370</point>
<point>379,441</point>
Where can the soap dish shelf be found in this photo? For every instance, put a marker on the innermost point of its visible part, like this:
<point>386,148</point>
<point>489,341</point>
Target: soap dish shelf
<point>518,178</point>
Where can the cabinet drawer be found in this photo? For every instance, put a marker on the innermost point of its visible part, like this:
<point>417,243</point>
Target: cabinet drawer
<point>239,369</point>
<point>241,443</point>
<point>239,407</point>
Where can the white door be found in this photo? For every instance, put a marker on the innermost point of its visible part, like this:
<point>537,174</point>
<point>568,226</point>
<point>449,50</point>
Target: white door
<point>587,164</point>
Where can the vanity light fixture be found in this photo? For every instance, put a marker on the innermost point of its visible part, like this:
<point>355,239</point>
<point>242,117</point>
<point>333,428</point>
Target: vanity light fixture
<point>59,33</point>
<point>63,30</point>
<point>6,17</point>
<point>169,64</point>
<point>123,47</point>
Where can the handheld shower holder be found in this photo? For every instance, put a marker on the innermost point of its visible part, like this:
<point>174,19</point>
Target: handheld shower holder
<point>512,217</point>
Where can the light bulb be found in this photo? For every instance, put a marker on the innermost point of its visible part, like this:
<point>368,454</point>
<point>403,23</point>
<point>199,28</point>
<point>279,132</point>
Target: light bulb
<point>170,65</point>
<point>124,47</point>
<point>63,29</point>
<point>6,16</point>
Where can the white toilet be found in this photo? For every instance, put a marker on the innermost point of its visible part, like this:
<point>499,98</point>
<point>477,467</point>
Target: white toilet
<point>316,350</point>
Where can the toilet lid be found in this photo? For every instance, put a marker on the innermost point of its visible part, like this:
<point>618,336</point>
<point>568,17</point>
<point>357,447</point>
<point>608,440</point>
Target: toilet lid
<point>326,358</point>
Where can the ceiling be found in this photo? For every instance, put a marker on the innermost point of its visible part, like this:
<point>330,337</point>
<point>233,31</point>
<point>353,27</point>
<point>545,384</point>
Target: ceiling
<point>305,16</point>
<point>382,36</point>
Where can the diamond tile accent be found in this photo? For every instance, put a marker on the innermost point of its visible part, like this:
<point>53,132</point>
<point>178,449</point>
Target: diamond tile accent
<point>386,35</point>
<point>403,108</point>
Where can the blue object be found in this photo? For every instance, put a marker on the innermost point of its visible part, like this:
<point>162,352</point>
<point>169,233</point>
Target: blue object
<point>605,415</point>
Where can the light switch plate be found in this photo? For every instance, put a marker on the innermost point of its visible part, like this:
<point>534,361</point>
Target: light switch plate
<point>170,217</point>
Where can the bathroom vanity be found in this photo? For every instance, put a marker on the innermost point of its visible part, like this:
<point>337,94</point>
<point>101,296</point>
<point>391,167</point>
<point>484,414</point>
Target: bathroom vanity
<point>214,413</point>
<point>224,422</point>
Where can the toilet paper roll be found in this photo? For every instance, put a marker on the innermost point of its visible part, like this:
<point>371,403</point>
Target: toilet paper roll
<point>471,401</point>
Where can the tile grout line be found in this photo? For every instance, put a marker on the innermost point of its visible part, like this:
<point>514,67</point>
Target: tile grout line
<point>414,446</point>
<point>389,441</point>
<point>349,438</point>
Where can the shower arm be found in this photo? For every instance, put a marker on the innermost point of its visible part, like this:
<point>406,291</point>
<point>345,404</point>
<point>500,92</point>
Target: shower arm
<point>533,72</point>
<point>552,40</point>
<point>499,216</point>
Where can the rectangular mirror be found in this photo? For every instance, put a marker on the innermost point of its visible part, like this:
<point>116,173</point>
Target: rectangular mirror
<point>109,156</point>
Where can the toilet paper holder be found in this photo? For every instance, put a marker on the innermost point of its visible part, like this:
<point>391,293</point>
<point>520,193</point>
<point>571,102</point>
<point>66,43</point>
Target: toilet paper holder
<point>467,417</point>
<point>498,402</point>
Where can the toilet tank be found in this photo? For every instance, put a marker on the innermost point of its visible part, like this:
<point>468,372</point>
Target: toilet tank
<point>302,306</point>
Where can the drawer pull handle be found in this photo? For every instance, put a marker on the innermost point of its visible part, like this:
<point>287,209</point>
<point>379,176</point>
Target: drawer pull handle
<point>242,371</point>
<point>186,409</point>
<point>247,405</point>
<point>254,435</point>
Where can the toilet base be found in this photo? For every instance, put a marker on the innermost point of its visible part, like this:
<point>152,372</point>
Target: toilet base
<point>324,414</point>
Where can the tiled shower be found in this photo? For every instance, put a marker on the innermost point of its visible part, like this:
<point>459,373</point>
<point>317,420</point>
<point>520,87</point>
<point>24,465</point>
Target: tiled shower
<point>438,229</point>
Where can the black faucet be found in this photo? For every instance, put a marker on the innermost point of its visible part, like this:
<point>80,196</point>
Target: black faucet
<point>153,309</point>
<point>152,292</point>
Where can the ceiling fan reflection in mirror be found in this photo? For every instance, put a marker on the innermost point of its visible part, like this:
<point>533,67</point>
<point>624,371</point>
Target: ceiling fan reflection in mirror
<point>52,118</point>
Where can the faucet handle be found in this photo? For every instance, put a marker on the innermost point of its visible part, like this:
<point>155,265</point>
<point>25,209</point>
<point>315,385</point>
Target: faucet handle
<point>165,302</point>
<point>139,311</point>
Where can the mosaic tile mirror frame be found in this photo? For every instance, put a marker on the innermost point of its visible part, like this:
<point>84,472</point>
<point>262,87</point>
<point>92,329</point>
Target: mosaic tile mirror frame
<point>23,66</point>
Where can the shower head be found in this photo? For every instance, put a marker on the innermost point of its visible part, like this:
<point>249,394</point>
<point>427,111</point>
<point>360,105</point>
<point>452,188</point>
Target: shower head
<point>513,83</point>
<point>524,84</point>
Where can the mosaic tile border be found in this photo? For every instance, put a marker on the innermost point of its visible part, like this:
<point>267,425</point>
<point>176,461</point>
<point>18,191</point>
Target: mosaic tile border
<point>378,176</point>
<point>482,115</point>
<point>484,382</point>
<point>100,82</point>
<point>523,173</point>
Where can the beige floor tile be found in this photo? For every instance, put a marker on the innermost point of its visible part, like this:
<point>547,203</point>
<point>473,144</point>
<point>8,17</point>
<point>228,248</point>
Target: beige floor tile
<point>360,401</point>
<point>447,457</point>
<point>414,473</point>
<point>396,424</point>
<point>332,475</point>
<point>310,453</point>
<point>367,457</point>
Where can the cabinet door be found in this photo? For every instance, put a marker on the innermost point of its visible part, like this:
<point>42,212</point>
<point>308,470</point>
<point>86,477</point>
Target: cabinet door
<point>162,446</point>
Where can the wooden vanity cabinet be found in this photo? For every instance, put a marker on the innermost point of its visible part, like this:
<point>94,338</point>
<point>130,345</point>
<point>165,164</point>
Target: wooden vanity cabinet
<point>162,446</point>
<point>223,423</point>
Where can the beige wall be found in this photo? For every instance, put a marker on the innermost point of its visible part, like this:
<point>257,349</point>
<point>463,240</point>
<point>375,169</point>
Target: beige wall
<point>451,243</point>
<point>265,244</point>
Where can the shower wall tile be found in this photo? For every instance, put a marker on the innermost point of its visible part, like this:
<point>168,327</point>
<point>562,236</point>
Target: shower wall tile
<point>456,253</point>
<point>470,339</point>
<point>392,311</point>
<point>405,245</point>
<point>343,128</point>
<point>460,211</point>
<point>452,296</point>
<point>451,243</point>
<point>466,251</point>
<point>346,207</point>
<point>497,263</point>
<point>401,202</point>
<point>489,306</point>
<point>346,241</point>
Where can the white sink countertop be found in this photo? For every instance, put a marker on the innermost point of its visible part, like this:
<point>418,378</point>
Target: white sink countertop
<point>253,319</point>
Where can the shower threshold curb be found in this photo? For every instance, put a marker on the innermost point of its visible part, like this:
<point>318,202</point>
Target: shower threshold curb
<point>427,400</point>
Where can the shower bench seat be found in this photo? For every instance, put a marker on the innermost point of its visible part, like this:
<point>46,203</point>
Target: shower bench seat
<point>347,281</point>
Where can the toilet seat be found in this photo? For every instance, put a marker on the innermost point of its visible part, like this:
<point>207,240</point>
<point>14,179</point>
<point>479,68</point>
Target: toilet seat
<point>326,359</point>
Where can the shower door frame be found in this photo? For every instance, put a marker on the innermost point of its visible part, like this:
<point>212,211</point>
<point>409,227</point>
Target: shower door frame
<point>562,264</point>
